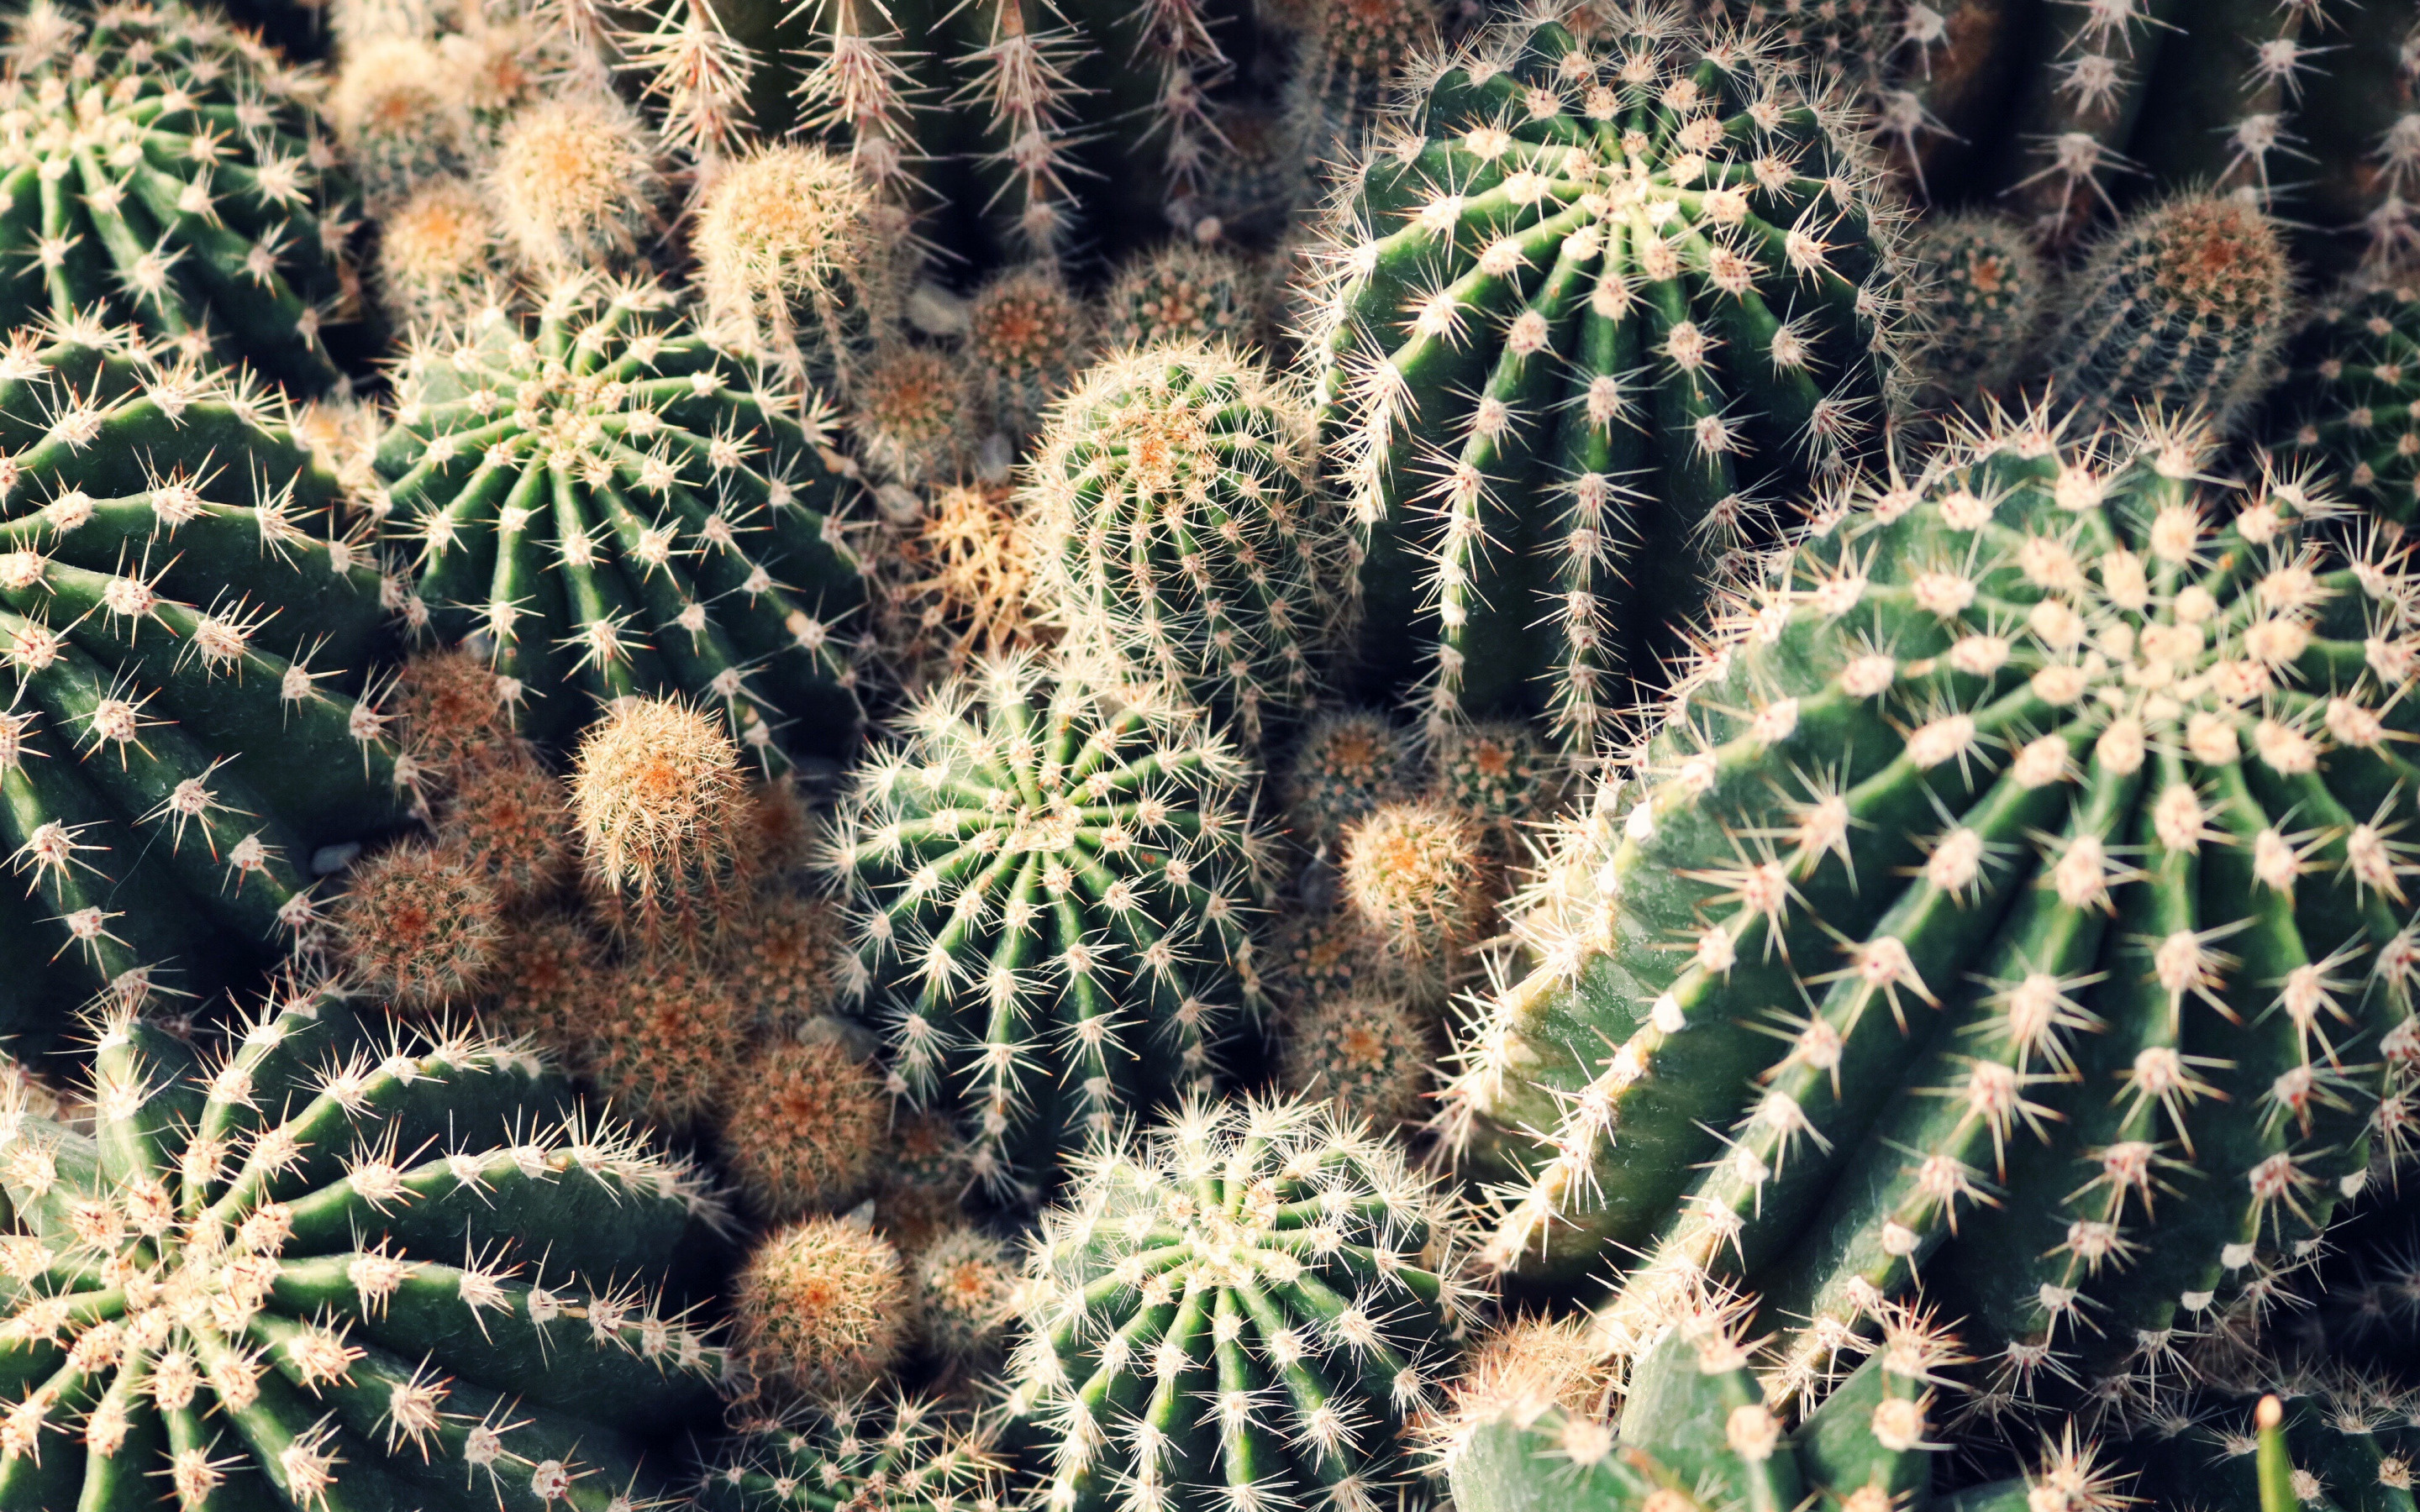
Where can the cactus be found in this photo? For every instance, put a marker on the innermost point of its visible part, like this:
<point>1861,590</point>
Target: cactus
<point>168,171</point>
<point>661,814</point>
<point>420,927</point>
<point>328,1265</point>
<point>788,956</point>
<point>2349,400</point>
<point>915,415</point>
<point>1052,896</point>
<point>801,1126</point>
<point>2341,1439</point>
<point>1416,875</point>
<point>1367,1052</point>
<point>505,822</point>
<point>1683,271</point>
<point>621,507</point>
<point>1315,954</point>
<point>954,586</point>
<point>438,265</point>
<point>880,1452</point>
<point>818,1308</point>
<point>1346,763</point>
<point>1175,526</point>
<point>1241,1309</point>
<point>1352,58</point>
<point>1027,337</point>
<point>787,253</point>
<point>1986,294</point>
<point>1181,293</point>
<point>2181,308</point>
<point>665,1040</point>
<point>2016,899</point>
<point>550,975</point>
<point>575,184</point>
<point>1499,775</point>
<point>965,1285</point>
<point>184,718</point>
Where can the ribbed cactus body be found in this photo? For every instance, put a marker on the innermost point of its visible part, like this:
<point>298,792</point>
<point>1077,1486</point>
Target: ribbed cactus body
<point>2352,397</point>
<point>334,1265</point>
<point>1175,526</point>
<point>621,507</point>
<point>2341,1441</point>
<point>160,167</point>
<point>184,716</point>
<point>1244,1308</point>
<point>1053,895</point>
<point>1603,295</point>
<point>2017,902</point>
<point>871,1453</point>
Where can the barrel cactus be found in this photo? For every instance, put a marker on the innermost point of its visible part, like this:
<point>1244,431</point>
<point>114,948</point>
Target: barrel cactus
<point>336,1265</point>
<point>877,1452</point>
<point>185,629</point>
<point>2056,774</point>
<point>623,506</point>
<point>168,170</point>
<point>1053,896</point>
<point>2353,398</point>
<point>1595,298</point>
<point>1244,1307</point>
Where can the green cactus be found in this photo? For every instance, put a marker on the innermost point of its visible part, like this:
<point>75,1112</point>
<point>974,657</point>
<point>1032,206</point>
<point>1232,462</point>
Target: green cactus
<point>339,1265</point>
<point>2017,900</point>
<point>2353,400</point>
<point>1182,292</point>
<point>1027,338</point>
<point>163,168</point>
<point>1052,894</point>
<point>2182,307</point>
<point>621,507</point>
<point>185,623</point>
<point>1347,763</point>
<point>1986,294</point>
<point>1175,526</point>
<point>875,1452</point>
<point>1661,260</point>
<point>1241,1309</point>
<point>2338,1440</point>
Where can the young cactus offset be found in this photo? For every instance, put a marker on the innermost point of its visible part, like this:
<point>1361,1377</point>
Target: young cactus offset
<point>874,1452</point>
<point>1242,1308</point>
<point>333,1266</point>
<point>184,717</point>
<point>1053,896</point>
<point>1985,293</point>
<point>1599,296</point>
<point>2353,400</point>
<point>623,506</point>
<point>1175,526</point>
<point>2018,901</point>
<point>162,167</point>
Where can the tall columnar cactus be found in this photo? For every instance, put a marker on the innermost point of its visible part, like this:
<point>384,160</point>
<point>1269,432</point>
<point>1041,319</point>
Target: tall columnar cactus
<point>1600,296</point>
<point>184,712</point>
<point>1053,895</point>
<point>163,168</point>
<point>2353,400</point>
<point>1242,1309</point>
<point>2018,901</point>
<point>2182,307</point>
<point>1175,525</point>
<point>331,1265</point>
<point>622,506</point>
<point>873,1452</point>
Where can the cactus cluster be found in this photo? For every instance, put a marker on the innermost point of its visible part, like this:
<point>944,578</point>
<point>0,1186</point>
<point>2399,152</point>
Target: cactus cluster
<point>2352,397</point>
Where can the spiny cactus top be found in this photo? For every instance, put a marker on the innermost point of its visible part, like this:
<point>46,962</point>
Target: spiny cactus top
<point>1053,895</point>
<point>624,507</point>
<point>163,167</point>
<point>1239,1311</point>
<point>332,1268</point>
<point>183,714</point>
<point>2353,397</point>
<point>2020,899</point>
<point>875,1452</point>
<point>1658,254</point>
<point>1175,525</point>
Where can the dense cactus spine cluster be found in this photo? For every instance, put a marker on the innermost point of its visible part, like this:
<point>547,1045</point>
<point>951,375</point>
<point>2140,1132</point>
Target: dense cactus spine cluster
<point>1595,299</point>
<point>1986,292</point>
<point>881,1451</point>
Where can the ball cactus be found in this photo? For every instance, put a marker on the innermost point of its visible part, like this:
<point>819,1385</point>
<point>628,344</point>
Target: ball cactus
<point>334,1265</point>
<point>786,255</point>
<point>623,507</point>
<point>2016,899</point>
<point>802,1126</point>
<point>819,1309</point>
<point>1182,292</point>
<point>2352,396</point>
<point>662,815</point>
<point>1586,264</point>
<point>185,715</point>
<point>1367,1052</point>
<point>1054,898</point>
<point>965,1285</point>
<point>1347,763</point>
<point>1027,337</point>
<point>881,1452</point>
<point>1242,1307</point>
<point>1986,294</point>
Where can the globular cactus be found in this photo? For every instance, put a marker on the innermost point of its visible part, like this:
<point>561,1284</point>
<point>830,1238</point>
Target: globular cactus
<point>1346,763</point>
<point>1242,1308</point>
<point>1053,895</point>
<point>661,814</point>
<point>166,170</point>
<point>664,1040</point>
<point>1028,335</point>
<point>2352,398</point>
<point>325,1265</point>
<point>1370,1053</point>
<point>1986,293</point>
<point>576,183</point>
<point>1182,292</point>
<point>802,1126</point>
<point>819,1309</point>
<point>548,977</point>
<point>789,257</point>
<point>1350,58</point>
<point>965,1287</point>
<point>1175,526</point>
<point>1499,775</point>
<point>185,713</point>
<point>954,585</point>
<point>506,822</point>
<point>914,415</point>
<point>420,927</point>
<point>1416,875</point>
<point>876,1451</point>
<point>622,506</point>
<point>2182,308</point>
<point>2016,900</point>
<point>439,263</point>
<point>1599,296</point>
<point>788,956</point>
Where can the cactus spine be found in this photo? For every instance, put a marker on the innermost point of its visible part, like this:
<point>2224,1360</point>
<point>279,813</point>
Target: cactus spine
<point>1986,294</point>
<point>880,1452</point>
<point>2353,397</point>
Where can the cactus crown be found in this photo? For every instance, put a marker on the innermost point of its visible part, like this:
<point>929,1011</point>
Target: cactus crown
<point>1181,292</point>
<point>1986,292</point>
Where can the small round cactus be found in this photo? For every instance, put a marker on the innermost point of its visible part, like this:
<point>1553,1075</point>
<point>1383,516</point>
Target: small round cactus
<point>788,955</point>
<point>506,822</point>
<point>1181,292</point>
<point>914,416</point>
<point>548,983</point>
<point>786,254</point>
<point>1367,1052</point>
<point>400,117</point>
<point>420,926</point>
<point>872,1452</point>
<point>450,713</point>
<point>1314,954</point>
<point>664,1041</point>
<point>1416,875</point>
<point>1500,776</point>
<point>1985,294</point>
<point>819,1309</point>
<point>964,1289</point>
<point>1027,335</point>
<point>1175,526</point>
<point>928,1167</point>
<point>660,806</point>
<point>1352,59</point>
<point>1053,898</point>
<point>1246,1304</point>
<point>2352,398</point>
<point>574,183</point>
<point>438,256</point>
<point>1346,763</point>
<point>803,1125</point>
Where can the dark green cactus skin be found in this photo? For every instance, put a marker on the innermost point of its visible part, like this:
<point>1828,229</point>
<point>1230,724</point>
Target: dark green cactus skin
<point>184,712</point>
<point>622,506</point>
<point>337,1266</point>
<point>2343,1444</point>
<point>2349,399</point>
<point>1539,380</point>
<point>159,166</point>
<point>2039,837</point>
<point>871,1453</point>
